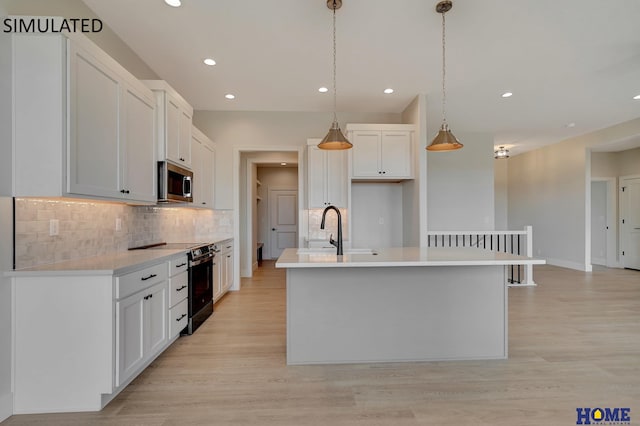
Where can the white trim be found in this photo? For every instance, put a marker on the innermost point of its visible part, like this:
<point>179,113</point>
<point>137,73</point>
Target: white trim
<point>568,264</point>
<point>523,232</point>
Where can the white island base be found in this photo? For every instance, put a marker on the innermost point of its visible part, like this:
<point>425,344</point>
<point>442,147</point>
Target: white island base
<point>382,314</point>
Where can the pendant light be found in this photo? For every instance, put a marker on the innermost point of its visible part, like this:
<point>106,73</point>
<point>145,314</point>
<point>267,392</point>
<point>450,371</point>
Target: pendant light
<point>444,140</point>
<point>335,139</point>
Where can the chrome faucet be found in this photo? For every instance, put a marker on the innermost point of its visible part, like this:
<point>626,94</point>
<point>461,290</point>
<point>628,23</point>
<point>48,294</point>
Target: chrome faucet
<point>333,242</point>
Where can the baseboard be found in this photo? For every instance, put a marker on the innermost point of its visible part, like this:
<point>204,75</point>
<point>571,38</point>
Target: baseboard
<point>6,406</point>
<point>568,264</point>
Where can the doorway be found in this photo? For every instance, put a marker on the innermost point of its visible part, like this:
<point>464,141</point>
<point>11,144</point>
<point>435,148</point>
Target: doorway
<point>603,222</point>
<point>260,170</point>
<point>630,221</point>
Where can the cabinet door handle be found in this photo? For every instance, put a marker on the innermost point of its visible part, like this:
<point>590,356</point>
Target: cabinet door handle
<point>384,173</point>
<point>148,296</point>
<point>228,255</point>
<point>230,246</point>
<point>149,277</point>
<point>181,288</point>
<point>181,265</point>
<point>203,203</point>
<point>183,315</point>
<point>125,191</point>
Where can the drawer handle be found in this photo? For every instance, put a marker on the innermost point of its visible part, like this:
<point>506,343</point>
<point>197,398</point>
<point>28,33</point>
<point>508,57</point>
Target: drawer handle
<point>183,315</point>
<point>149,277</point>
<point>148,296</point>
<point>181,265</point>
<point>181,288</point>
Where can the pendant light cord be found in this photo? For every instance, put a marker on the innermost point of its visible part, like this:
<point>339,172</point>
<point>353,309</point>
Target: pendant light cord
<point>335,92</point>
<point>444,73</point>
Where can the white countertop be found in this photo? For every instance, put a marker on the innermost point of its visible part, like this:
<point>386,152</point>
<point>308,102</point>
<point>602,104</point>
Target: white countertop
<point>400,256</point>
<point>116,263</point>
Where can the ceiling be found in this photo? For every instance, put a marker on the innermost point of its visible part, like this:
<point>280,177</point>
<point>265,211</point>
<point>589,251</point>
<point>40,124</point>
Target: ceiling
<point>568,61</point>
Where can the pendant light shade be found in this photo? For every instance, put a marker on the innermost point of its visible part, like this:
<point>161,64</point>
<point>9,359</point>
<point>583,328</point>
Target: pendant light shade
<point>444,140</point>
<point>334,140</point>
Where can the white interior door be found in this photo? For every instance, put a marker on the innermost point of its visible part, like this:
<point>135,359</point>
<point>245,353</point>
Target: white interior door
<point>283,215</point>
<point>631,225</point>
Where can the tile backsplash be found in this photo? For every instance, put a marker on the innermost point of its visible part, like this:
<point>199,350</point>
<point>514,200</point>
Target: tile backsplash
<point>331,224</point>
<point>88,228</point>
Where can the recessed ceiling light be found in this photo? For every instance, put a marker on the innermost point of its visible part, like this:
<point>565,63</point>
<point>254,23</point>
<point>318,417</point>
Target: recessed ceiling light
<point>283,164</point>
<point>507,94</point>
<point>388,91</point>
<point>209,62</point>
<point>229,96</point>
<point>323,90</point>
<point>636,97</point>
<point>570,125</point>
<point>173,3</point>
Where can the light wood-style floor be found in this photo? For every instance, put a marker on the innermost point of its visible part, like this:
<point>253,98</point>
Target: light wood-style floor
<point>574,342</point>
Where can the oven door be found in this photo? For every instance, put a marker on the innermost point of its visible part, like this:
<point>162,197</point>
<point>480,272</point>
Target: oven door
<point>200,292</point>
<point>201,284</point>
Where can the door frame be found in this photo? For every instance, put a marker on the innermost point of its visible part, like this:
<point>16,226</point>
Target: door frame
<point>612,222</point>
<point>242,251</point>
<point>622,209</point>
<point>269,218</point>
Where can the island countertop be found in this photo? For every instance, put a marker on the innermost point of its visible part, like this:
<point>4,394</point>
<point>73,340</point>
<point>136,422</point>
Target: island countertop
<point>400,256</point>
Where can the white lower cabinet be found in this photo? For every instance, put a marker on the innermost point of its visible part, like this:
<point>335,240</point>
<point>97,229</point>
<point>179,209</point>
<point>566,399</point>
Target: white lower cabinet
<point>80,338</point>
<point>141,328</point>
<point>223,269</point>
<point>178,297</point>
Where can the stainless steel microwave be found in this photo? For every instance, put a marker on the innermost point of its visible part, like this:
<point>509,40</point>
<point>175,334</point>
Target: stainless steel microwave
<point>174,183</point>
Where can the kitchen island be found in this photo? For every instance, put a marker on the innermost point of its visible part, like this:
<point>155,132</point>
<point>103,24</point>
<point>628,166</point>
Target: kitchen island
<point>397,304</point>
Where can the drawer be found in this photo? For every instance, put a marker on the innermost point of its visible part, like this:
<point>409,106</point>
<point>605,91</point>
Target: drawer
<point>178,318</point>
<point>136,281</point>
<point>179,289</point>
<point>226,246</point>
<point>178,266</point>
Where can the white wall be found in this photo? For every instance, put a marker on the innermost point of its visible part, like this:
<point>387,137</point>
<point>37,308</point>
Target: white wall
<point>376,215</point>
<point>550,189</point>
<point>106,39</point>
<point>629,162</point>
<point>604,164</point>
<point>6,226</point>
<point>247,129</point>
<point>500,189</point>
<point>414,197</point>
<point>460,185</point>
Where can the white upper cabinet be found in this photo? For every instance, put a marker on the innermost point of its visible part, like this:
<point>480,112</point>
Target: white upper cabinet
<point>203,169</point>
<point>381,151</point>
<point>174,118</point>
<point>327,176</point>
<point>92,137</point>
